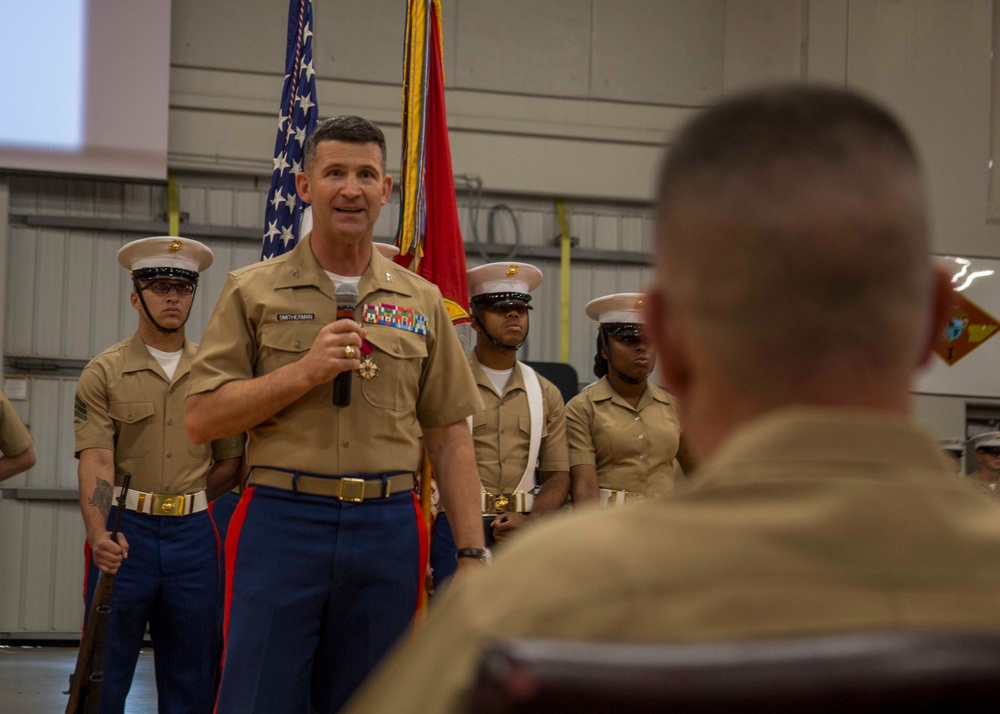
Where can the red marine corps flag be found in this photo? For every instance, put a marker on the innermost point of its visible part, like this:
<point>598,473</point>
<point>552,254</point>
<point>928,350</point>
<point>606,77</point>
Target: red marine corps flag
<point>429,238</point>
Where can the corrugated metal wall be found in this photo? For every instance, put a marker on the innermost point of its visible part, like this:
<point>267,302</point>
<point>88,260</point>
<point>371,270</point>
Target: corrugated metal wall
<point>67,301</point>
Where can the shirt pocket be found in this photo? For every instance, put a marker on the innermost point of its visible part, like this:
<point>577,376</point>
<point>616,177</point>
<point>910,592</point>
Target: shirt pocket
<point>134,429</point>
<point>609,436</point>
<point>284,343</point>
<point>399,356</point>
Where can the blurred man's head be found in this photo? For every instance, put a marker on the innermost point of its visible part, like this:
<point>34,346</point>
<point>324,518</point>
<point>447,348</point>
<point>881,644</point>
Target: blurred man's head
<point>987,447</point>
<point>792,256</point>
<point>953,450</point>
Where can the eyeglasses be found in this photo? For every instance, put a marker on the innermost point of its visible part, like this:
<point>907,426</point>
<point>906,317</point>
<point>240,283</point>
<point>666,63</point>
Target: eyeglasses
<point>162,287</point>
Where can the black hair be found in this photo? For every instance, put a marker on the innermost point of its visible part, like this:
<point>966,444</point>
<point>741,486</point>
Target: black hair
<point>600,362</point>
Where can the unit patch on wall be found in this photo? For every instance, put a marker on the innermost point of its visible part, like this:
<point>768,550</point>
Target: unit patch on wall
<point>968,327</point>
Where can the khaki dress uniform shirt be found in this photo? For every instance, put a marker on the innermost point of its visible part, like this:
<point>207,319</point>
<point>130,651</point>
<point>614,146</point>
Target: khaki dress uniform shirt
<point>268,316</point>
<point>125,403</point>
<point>990,489</point>
<point>14,435</point>
<point>808,521</point>
<point>633,448</point>
<point>502,432</point>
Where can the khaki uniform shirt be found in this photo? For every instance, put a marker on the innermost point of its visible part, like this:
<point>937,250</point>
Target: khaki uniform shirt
<point>502,431</point>
<point>633,448</point>
<point>807,522</point>
<point>268,316</point>
<point>14,435</point>
<point>990,489</point>
<point>125,403</point>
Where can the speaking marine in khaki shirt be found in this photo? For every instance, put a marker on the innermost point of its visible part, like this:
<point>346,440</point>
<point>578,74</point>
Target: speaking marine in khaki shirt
<point>269,314</point>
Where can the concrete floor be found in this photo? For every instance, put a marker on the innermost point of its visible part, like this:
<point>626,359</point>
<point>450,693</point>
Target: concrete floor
<point>33,679</point>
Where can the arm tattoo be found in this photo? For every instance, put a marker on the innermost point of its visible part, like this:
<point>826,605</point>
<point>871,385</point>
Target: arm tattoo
<point>101,499</point>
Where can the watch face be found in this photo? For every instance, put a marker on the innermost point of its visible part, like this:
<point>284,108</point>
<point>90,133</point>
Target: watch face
<point>483,555</point>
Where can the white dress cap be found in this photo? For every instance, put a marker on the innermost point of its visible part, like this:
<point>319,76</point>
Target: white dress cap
<point>503,278</point>
<point>989,439</point>
<point>620,307</point>
<point>165,252</point>
<point>388,250</point>
<point>955,445</point>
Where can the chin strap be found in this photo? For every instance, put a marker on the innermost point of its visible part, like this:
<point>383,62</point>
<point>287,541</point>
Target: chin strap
<point>497,343</point>
<point>139,289</point>
<point>611,364</point>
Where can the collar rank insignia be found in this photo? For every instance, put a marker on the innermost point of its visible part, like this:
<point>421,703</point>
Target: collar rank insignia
<point>392,316</point>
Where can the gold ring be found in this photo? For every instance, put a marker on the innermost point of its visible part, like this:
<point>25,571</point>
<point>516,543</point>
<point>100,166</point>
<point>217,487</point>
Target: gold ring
<point>349,352</point>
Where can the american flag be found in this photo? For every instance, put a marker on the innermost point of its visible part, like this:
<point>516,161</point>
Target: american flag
<point>296,120</point>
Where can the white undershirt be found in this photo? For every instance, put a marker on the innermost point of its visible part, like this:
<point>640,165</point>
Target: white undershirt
<point>168,360</point>
<point>338,279</point>
<point>498,377</point>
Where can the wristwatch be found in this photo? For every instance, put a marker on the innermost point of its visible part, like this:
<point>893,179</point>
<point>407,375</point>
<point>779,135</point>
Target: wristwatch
<point>483,555</point>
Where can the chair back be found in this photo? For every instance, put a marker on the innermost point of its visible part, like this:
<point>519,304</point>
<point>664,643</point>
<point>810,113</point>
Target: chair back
<point>560,374</point>
<point>910,672</point>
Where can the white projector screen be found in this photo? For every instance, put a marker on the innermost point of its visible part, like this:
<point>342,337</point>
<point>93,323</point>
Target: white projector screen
<point>86,87</point>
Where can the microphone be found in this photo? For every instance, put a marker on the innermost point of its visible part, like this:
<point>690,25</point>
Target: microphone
<point>346,296</point>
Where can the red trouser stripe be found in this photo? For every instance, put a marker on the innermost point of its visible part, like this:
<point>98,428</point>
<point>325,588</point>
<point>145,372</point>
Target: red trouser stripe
<point>232,546</point>
<point>425,551</point>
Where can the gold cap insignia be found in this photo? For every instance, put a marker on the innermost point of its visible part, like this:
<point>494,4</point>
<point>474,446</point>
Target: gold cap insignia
<point>512,270</point>
<point>638,302</point>
<point>175,246</point>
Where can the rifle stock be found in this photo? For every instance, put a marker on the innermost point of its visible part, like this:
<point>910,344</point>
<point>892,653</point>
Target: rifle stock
<point>88,676</point>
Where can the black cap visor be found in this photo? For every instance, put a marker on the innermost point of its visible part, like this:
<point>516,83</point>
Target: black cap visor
<point>500,301</point>
<point>623,329</point>
<point>166,273</point>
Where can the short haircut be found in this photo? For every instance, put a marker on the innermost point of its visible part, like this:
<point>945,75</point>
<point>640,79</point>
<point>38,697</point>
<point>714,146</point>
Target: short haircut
<point>349,128</point>
<point>792,229</point>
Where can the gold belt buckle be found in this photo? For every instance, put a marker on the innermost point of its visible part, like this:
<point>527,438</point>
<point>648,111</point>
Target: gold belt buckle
<point>168,505</point>
<point>355,483</point>
<point>500,503</point>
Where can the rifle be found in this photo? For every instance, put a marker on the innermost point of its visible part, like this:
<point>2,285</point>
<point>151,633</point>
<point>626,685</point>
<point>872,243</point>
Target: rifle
<point>85,682</point>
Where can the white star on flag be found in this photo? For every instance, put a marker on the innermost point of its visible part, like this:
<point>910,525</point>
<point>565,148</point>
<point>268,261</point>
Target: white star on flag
<point>279,162</point>
<point>278,199</point>
<point>297,115</point>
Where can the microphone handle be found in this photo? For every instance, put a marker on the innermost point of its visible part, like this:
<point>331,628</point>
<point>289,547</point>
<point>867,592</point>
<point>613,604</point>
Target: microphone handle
<point>342,382</point>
